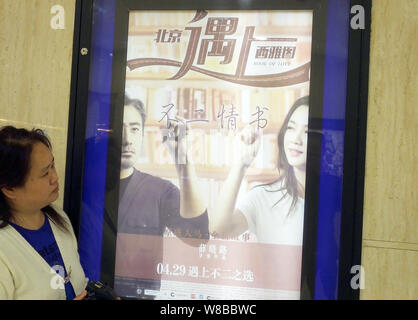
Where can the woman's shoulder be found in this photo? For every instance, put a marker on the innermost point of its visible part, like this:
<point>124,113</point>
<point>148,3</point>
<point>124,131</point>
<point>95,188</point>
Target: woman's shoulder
<point>275,186</point>
<point>4,229</point>
<point>264,193</point>
<point>7,240</point>
<point>60,212</point>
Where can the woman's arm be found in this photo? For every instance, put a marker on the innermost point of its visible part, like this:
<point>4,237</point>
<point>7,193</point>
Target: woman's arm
<point>192,203</point>
<point>6,282</point>
<point>191,197</point>
<point>81,296</point>
<point>224,219</point>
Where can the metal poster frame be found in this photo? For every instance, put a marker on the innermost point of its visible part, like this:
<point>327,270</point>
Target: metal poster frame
<point>338,102</point>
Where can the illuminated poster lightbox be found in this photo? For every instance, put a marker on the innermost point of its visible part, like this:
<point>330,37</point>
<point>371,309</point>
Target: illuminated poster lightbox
<point>213,148</point>
<point>230,78</point>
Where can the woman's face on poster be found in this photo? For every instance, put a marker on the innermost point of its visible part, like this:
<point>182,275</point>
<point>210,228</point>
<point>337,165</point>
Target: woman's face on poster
<point>131,137</point>
<point>296,138</point>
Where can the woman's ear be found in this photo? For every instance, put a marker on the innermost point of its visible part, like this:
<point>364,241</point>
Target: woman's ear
<point>9,192</point>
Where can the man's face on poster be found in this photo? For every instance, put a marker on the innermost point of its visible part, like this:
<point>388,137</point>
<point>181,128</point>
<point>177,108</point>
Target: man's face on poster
<point>132,135</point>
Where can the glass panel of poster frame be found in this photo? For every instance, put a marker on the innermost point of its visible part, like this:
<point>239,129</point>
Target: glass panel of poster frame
<point>262,99</point>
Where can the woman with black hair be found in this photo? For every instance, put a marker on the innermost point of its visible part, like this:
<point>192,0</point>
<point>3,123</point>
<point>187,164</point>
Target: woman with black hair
<point>38,248</point>
<point>273,212</point>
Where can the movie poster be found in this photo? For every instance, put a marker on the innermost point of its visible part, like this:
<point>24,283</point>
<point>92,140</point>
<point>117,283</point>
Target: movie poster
<point>238,81</point>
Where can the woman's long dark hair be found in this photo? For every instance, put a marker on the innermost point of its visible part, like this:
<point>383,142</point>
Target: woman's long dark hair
<point>287,174</point>
<point>15,153</point>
